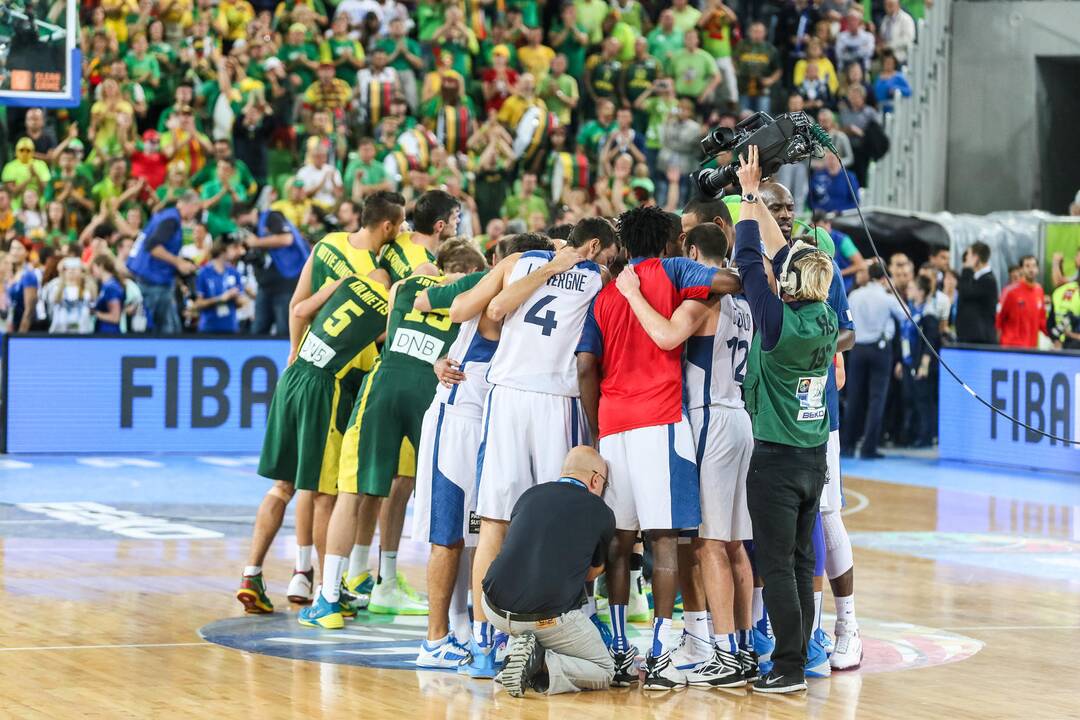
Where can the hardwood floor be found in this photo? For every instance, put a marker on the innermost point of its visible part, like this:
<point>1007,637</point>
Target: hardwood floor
<point>970,604</point>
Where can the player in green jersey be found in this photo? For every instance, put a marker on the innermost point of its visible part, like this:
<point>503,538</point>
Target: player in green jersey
<point>308,416</point>
<point>434,219</point>
<point>391,406</point>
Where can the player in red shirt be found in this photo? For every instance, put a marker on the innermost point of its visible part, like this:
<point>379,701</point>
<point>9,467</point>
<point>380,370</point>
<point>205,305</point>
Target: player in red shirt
<point>631,391</point>
<point>1021,313</point>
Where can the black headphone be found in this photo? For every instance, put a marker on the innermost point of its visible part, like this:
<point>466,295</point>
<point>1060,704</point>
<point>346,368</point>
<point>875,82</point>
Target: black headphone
<point>790,273</point>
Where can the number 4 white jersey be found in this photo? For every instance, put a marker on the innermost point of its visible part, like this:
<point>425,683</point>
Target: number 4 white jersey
<point>715,365</point>
<point>536,348</point>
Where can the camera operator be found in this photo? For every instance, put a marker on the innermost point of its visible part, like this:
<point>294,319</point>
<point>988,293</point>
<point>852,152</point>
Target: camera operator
<point>787,371</point>
<point>277,253</point>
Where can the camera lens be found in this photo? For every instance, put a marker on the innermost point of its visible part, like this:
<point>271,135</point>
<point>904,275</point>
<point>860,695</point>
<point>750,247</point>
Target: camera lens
<point>718,140</point>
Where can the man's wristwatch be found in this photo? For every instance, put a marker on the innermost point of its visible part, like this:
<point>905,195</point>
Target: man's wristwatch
<point>749,198</point>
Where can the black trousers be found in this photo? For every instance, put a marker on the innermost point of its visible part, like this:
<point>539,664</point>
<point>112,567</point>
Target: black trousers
<point>868,371</point>
<point>783,489</point>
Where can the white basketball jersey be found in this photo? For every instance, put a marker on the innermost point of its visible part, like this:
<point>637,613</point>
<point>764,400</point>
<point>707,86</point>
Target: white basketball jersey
<point>539,338</point>
<point>715,365</point>
<point>474,352</point>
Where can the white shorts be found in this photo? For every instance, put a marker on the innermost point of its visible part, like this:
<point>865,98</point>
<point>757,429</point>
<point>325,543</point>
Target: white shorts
<point>652,478</point>
<point>526,436</point>
<point>725,442</point>
<point>446,477</point>
<point>832,496</point>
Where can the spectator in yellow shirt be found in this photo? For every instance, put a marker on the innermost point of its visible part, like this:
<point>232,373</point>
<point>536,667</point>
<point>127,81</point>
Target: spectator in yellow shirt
<point>296,206</point>
<point>329,92</point>
<point>815,54</point>
<point>536,57</point>
<point>233,17</point>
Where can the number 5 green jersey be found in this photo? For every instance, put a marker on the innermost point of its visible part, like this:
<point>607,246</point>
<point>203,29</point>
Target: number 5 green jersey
<point>341,338</point>
<point>416,339</point>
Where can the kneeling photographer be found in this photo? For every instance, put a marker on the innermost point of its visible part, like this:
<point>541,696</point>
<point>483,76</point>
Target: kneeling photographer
<point>277,252</point>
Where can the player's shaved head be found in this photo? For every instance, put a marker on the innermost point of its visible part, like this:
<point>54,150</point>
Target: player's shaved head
<point>585,464</point>
<point>781,205</point>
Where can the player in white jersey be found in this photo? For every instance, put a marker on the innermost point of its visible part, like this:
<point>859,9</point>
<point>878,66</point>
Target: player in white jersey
<point>532,416</point>
<point>717,335</point>
<point>444,513</point>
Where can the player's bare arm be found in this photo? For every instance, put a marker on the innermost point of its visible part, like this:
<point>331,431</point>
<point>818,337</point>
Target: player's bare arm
<point>667,333</point>
<point>588,369</point>
<point>511,296</point>
<point>307,309</point>
<point>472,302</point>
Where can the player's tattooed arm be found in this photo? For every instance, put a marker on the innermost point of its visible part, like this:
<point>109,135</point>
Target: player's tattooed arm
<point>512,296</point>
<point>588,370</point>
<point>472,302</point>
<point>307,309</point>
<point>667,333</point>
<point>297,324</point>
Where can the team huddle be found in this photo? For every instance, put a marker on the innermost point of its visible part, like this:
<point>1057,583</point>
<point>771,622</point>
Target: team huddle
<point>416,370</point>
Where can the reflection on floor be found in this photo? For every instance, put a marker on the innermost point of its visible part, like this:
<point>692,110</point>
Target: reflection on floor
<point>968,576</point>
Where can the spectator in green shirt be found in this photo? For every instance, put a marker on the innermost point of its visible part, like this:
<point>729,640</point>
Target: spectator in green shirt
<point>664,40</point>
<point>640,74</point>
<point>658,102</point>
<point>342,51</point>
<point>591,14</point>
<point>406,57</point>
<point>757,63</point>
<point>25,172</point>
<point>522,204</point>
<point>142,67</point>
<point>560,91</point>
<point>300,56</point>
<point>633,14</point>
<point>604,78</point>
<point>686,15</point>
<point>694,70</point>
<point>219,195</point>
<point>365,175</point>
<point>593,134</point>
<point>569,37</point>
<point>223,151</point>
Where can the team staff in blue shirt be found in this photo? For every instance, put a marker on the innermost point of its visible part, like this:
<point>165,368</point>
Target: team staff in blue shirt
<point>155,260</point>
<point>219,289</point>
<point>109,306</point>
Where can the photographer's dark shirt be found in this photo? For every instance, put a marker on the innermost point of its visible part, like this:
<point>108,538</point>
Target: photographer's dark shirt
<point>558,530</point>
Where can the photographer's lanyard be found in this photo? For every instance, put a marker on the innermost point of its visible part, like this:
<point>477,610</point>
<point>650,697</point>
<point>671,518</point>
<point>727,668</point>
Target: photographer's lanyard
<point>574,481</point>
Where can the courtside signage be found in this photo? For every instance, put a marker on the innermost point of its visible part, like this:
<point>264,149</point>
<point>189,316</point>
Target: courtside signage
<point>1040,389</point>
<point>67,394</point>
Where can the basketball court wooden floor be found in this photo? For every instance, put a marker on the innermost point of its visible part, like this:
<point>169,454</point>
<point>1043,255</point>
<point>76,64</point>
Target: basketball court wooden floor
<point>113,571</point>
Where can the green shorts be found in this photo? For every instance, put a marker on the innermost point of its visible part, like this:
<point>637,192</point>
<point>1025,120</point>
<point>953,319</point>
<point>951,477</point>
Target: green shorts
<point>308,415</point>
<point>384,429</point>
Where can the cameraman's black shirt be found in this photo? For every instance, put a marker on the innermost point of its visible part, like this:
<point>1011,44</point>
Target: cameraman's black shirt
<point>558,530</point>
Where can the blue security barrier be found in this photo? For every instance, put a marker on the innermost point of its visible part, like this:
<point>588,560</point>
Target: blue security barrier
<point>1039,388</point>
<point>138,394</point>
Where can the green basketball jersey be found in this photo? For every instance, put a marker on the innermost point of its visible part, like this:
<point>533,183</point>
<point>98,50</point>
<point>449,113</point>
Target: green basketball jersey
<point>401,257</point>
<point>341,338</point>
<point>334,257</point>
<point>416,339</point>
<point>785,387</point>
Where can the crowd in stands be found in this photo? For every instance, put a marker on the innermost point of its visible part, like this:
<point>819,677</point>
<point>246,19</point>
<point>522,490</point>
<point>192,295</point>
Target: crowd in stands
<point>531,114</point>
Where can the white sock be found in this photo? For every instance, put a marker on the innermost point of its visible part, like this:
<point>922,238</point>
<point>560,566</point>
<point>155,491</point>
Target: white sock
<point>662,640</point>
<point>635,576</point>
<point>817,610</point>
<point>358,560</point>
<point>432,644</point>
<point>458,612</point>
<point>696,624</point>
<point>387,565</point>
<point>845,612</point>
<point>708,621</point>
<point>757,607</point>
<point>726,642</point>
<point>331,572</point>
<point>251,570</point>
<point>303,557</point>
